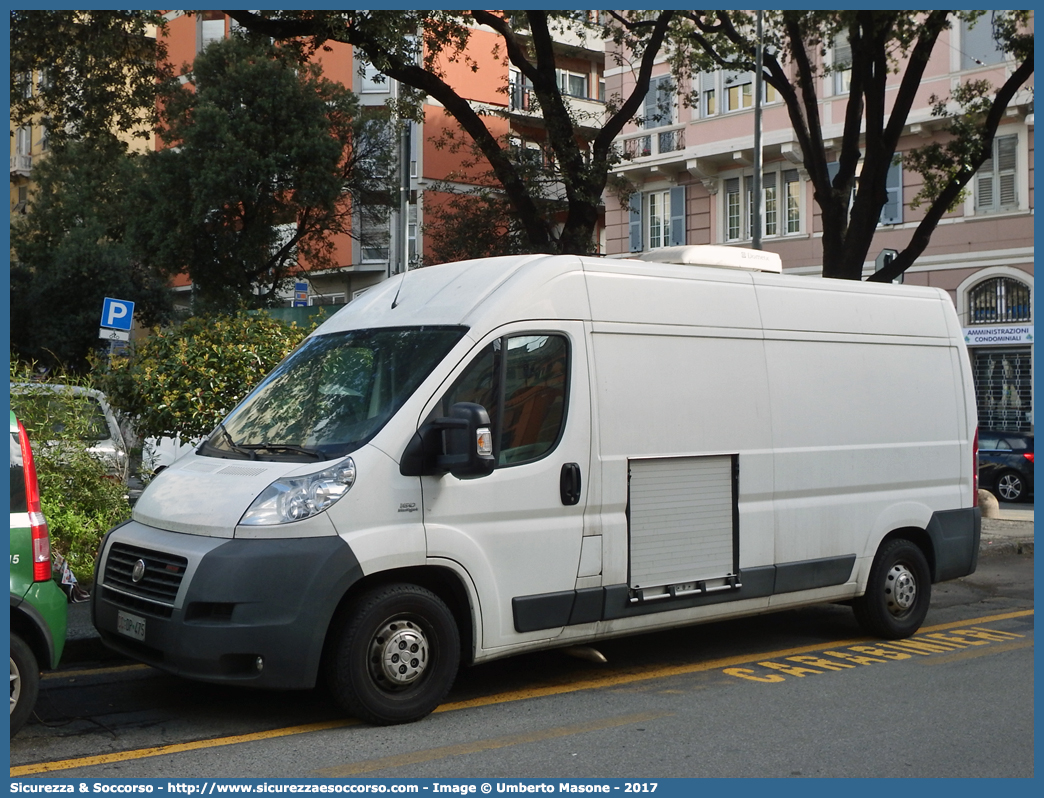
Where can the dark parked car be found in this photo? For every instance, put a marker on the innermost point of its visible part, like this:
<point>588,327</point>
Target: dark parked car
<point>1006,464</point>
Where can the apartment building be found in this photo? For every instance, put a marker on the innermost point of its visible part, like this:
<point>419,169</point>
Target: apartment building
<point>386,244</point>
<point>692,165</point>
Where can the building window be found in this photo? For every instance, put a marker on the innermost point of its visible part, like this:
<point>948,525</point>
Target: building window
<point>780,205</point>
<point>892,211</point>
<point>375,234</point>
<point>210,27</point>
<point>708,94</point>
<point>45,134</point>
<point>572,84</point>
<point>372,81</point>
<point>657,219</point>
<point>978,47</point>
<point>995,181</point>
<point>659,102</point>
<point>23,200</point>
<point>841,65</point>
<point>24,140</point>
<point>770,208</point>
<point>999,300</point>
<point>739,93</point>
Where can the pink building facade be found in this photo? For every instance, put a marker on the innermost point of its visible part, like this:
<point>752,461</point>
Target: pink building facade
<point>692,165</point>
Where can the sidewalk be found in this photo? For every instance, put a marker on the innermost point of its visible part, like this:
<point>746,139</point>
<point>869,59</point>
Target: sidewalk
<point>1011,533</point>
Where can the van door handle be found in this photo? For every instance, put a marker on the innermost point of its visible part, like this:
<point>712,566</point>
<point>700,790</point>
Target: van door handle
<point>570,484</point>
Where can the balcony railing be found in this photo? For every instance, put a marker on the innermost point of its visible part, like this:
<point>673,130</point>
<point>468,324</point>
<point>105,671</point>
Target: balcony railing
<point>656,143</point>
<point>21,164</point>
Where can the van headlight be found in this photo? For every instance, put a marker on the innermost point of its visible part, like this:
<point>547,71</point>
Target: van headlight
<point>297,498</point>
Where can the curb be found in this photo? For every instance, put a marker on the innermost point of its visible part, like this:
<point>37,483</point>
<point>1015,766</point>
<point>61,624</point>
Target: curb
<point>1003,546</point>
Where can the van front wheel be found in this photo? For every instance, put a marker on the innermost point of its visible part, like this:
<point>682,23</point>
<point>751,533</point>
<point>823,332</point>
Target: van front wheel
<point>898,592</point>
<point>395,655</point>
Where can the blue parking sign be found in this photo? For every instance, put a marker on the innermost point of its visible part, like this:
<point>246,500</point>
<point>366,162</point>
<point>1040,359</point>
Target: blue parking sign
<point>117,314</point>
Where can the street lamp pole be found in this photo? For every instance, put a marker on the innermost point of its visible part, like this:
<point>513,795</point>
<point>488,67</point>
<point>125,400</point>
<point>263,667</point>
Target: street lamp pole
<point>755,215</point>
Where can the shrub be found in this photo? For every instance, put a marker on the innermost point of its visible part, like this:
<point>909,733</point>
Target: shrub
<point>80,500</point>
<point>184,379</point>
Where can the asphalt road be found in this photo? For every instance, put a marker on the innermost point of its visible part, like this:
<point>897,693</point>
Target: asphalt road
<point>797,694</point>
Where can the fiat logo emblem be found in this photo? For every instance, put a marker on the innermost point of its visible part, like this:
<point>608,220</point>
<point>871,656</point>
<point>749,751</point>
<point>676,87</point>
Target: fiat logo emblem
<point>138,572</point>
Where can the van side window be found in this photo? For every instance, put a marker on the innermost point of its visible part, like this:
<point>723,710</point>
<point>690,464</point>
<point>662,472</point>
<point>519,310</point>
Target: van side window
<point>524,394</point>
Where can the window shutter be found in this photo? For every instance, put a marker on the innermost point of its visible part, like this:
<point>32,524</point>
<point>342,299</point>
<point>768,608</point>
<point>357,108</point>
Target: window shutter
<point>1006,158</point>
<point>984,191</point>
<point>892,212</point>
<point>677,216</point>
<point>636,222</point>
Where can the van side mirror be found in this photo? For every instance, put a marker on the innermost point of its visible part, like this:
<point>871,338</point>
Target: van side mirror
<point>461,444</point>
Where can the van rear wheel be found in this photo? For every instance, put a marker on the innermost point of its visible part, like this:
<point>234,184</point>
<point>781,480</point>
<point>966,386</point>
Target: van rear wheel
<point>395,655</point>
<point>898,592</point>
<point>25,683</point>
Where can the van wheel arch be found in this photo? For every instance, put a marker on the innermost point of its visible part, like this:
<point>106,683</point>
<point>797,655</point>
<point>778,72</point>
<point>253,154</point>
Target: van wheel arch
<point>917,536</point>
<point>443,582</point>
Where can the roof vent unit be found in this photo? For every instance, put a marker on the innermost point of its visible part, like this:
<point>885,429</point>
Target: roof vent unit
<point>723,257</point>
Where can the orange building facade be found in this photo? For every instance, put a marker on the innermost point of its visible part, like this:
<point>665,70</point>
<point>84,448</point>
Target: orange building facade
<point>378,250</point>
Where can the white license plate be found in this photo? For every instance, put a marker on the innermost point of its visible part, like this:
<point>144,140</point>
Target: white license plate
<point>130,625</point>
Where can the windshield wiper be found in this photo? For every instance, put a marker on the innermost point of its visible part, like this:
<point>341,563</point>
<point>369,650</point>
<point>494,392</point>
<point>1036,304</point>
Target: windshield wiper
<point>281,447</point>
<point>235,447</point>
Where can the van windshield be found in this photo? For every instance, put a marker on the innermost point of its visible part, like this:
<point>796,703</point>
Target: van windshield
<point>332,394</point>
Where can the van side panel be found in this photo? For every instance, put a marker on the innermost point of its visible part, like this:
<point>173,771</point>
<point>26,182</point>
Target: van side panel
<point>868,419</point>
<point>688,378</point>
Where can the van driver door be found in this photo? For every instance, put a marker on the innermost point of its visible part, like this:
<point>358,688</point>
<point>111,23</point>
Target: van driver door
<point>518,532</point>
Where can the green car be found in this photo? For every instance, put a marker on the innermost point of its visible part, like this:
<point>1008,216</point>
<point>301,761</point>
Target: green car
<point>38,606</point>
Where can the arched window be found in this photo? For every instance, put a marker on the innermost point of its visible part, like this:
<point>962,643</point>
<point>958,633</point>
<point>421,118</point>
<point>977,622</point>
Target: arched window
<point>999,300</point>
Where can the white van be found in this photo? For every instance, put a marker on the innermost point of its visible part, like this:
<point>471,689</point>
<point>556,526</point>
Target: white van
<point>510,454</point>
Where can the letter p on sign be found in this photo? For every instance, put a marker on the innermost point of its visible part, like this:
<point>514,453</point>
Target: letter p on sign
<point>118,314</point>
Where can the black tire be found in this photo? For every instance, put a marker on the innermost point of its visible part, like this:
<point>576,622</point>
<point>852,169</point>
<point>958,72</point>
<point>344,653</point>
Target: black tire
<point>898,592</point>
<point>366,672</point>
<point>1010,486</point>
<point>25,683</point>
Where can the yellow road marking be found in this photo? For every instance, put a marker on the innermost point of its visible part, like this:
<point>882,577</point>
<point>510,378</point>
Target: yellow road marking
<point>609,680</point>
<point>973,653</point>
<point>477,747</point>
<point>177,748</point>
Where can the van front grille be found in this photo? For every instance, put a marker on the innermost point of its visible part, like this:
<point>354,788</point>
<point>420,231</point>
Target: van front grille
<point>153,575</point>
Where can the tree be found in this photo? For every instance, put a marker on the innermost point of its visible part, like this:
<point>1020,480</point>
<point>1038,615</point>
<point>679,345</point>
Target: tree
<point>266,162</point>
<point>98,72</point>
<point>883,42</point>
<point>70,255</point>
<point>582,149</point>
<point>184,379</point>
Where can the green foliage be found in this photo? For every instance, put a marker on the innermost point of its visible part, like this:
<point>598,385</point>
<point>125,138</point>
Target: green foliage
<point>70,255</point>
<point>96,72</point>
<point>80,500</point>
<point>185,379</point>
<point>267,162</point>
